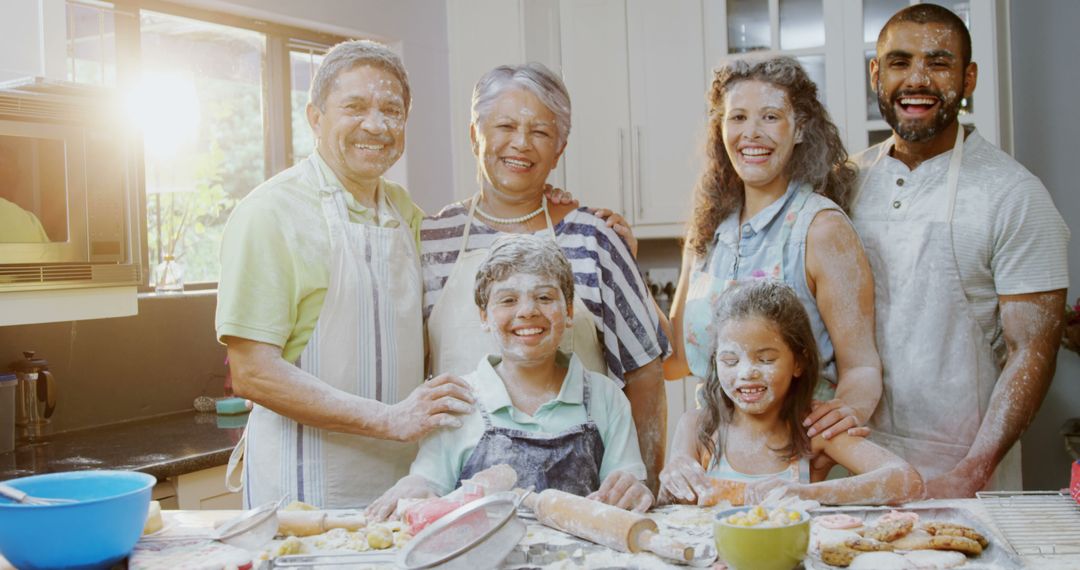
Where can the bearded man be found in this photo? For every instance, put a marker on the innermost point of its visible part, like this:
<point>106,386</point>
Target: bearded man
<point>969,260</point>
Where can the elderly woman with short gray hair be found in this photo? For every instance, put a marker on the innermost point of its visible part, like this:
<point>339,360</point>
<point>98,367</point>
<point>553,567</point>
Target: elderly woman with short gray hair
<point>520,125</point>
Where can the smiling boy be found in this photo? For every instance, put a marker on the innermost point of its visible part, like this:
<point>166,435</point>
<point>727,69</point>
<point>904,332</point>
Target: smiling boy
<point>540,411</point>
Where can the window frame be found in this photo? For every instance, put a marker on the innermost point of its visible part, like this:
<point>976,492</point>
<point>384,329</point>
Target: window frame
<point>280,39</point>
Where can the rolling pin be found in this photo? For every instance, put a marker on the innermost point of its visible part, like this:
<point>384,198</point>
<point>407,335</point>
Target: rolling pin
<point>605,525</point>
<point>308,523</point>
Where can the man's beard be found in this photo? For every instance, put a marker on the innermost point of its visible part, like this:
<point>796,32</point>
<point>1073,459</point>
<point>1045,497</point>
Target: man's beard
<point>920,131</point>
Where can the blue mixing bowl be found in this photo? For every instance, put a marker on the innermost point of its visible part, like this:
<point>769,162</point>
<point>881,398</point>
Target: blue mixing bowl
<point>97,531</point>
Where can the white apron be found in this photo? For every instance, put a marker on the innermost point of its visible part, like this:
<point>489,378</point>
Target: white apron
<point>939,366</point>
<point>366,343</point>
<point>455,341</point>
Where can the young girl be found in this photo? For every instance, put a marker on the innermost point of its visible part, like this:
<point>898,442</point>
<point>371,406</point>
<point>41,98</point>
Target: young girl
<point>758,390</point>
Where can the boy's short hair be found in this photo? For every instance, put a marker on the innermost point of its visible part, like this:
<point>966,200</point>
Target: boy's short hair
<point>523,253</point>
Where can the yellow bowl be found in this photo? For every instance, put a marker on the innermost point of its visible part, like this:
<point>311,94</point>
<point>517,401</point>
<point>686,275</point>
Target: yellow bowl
<point>761,548</point>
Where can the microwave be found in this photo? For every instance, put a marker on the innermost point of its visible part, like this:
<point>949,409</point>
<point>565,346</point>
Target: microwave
<point>70,188</point>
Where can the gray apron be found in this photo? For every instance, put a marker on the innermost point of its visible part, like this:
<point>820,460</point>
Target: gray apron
<point>568,461</point>
<point>939,367</point>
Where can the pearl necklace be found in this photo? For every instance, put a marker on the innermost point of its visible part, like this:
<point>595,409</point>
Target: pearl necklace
<point>509,221</point>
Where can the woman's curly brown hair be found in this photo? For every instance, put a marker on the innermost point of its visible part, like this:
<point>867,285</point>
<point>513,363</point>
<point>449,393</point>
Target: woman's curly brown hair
<point>819,159</point>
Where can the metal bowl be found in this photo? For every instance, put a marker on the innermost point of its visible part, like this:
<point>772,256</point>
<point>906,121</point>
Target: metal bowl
<point>251,530</point>
<point>479,534</point>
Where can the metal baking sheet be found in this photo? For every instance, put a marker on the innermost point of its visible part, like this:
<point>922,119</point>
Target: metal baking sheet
<point>997,555</point>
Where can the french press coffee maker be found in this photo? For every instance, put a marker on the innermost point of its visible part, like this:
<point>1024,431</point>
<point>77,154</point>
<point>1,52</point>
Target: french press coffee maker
<point>35,396</point>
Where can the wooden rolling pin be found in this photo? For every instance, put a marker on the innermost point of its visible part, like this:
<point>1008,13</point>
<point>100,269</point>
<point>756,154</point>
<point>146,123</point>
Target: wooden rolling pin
<point>605,525</point>
<point>308,523</point>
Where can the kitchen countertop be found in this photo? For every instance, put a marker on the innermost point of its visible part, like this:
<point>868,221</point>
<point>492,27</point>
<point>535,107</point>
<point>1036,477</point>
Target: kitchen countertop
<point>163,446</point>
<point>566,552</point>
<point>547,548</point>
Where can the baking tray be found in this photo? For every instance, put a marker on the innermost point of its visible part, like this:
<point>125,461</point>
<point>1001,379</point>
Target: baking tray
<point>997,555</point>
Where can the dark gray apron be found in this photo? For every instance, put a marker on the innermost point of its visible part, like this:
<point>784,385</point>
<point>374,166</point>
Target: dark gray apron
<point>568,461</point>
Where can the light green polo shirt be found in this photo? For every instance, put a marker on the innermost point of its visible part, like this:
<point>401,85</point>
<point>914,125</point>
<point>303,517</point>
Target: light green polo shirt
<point>275,256</point>
<point>443,454</point>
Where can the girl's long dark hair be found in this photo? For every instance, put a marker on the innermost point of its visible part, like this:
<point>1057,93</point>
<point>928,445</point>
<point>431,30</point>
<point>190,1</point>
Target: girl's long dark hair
<point>818,160</point>
<point>775,302</point>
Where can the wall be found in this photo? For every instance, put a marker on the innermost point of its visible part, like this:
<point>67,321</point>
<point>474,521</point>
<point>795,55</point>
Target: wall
<point>112,370</point>
<point>1045,120</point>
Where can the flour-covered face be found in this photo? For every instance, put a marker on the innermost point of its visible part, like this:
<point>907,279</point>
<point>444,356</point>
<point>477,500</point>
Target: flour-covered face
<point>360,131</point>
<point>754,365</point>
<point>517,143</point>
<point>759,132</point>
<point>920,80</point>
<point>526,315</point>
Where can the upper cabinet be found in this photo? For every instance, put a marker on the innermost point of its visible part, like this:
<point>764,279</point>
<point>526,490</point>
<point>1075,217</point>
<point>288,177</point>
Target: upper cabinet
<point>638,72</point>
<point>636,75</point>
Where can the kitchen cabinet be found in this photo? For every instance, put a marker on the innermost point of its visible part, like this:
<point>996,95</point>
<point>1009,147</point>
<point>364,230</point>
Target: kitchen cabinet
<point>198,490</point>
<point>638,73</point>
<point>635,72</point>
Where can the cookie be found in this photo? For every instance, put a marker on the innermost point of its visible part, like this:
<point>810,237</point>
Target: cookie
<point>838,521</point>
<point>935,559</point>
<point>939,528</point>
<point>880,561</point>
<point>864,544</point>
<point>890,530</point>
<point>957,543</point>
<point>838,555</point>
<point>916,540</point>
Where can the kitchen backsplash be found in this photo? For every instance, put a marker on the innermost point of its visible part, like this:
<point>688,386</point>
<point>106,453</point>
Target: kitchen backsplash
<point>119,369</point>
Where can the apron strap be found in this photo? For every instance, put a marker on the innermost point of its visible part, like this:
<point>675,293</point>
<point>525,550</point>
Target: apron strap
<point>236,459</point>
<point>953,178</point>
<point>952,181</point>
<point>468,225</point>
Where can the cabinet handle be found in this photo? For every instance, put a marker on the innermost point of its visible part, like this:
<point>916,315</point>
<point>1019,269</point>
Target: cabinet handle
<point>622,182</point>
<point>638,206</point>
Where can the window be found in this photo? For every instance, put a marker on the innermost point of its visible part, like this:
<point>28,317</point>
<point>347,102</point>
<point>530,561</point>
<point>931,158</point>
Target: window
<point>303,62</point>
<point>203,88</point>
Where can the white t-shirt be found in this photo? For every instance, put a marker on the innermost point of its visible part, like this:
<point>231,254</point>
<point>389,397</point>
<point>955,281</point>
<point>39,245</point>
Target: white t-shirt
<point>1008,236</point>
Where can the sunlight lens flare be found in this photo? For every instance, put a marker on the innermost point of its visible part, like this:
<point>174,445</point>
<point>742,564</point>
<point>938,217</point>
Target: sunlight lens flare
<point>165,107</point>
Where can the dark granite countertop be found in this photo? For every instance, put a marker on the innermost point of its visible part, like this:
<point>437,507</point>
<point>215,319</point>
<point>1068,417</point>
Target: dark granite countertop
<point>162,446</point>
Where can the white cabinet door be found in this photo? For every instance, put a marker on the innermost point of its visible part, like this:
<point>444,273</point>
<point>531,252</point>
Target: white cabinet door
<point>667,108</point>
<point>594,62</point>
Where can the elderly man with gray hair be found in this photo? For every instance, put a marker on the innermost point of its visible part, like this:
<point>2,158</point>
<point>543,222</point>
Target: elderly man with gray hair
<point>319,302</point>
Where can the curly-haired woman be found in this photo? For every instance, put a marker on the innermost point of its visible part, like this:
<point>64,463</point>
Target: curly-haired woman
<point>771,205</point>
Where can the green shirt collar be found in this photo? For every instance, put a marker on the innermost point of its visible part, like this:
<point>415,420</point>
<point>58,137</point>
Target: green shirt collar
<point>350,201</point>
<point>491,391</point>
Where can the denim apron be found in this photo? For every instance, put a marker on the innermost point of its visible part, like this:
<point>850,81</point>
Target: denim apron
<point>568,461</point>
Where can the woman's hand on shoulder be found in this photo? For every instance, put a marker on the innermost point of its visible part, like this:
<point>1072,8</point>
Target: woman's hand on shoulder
<point>625,491</point>
<point>559,197</point>
<point>619,225</point>
<point>683,480</point>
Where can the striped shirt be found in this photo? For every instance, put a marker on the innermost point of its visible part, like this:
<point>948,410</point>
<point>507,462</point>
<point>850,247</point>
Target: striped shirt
<point>606,279</point>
